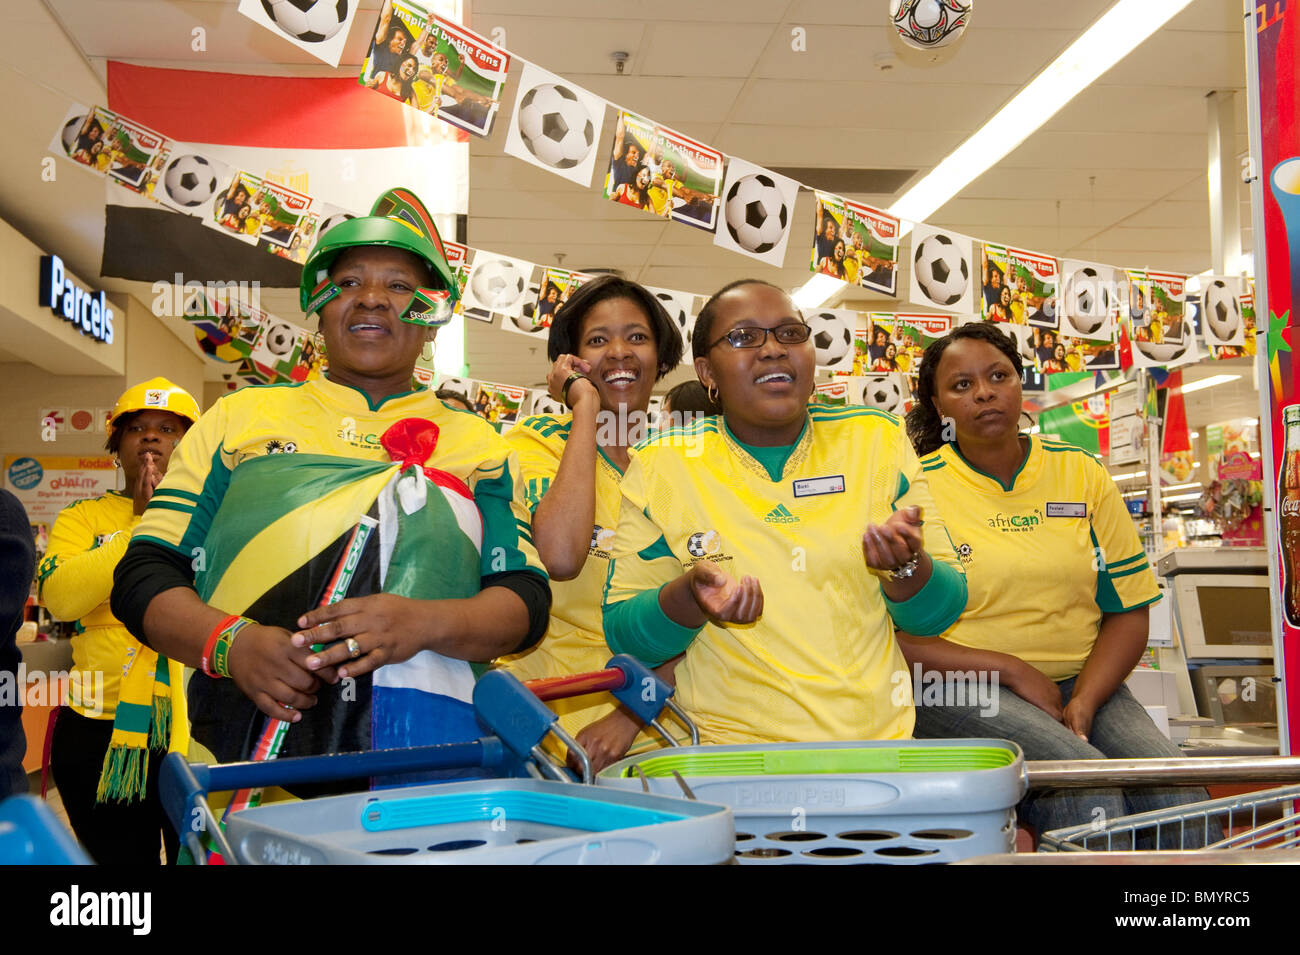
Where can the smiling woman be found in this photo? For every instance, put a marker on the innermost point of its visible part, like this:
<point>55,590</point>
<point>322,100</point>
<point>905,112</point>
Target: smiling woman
<point>825,505</point>
<point>233,567</point>
<point>609,344</point>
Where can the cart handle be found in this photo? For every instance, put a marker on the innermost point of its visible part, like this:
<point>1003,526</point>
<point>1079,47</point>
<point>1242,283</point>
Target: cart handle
<point>631,682</point>
<point>1185,771</point>
<point>183,787</point>
<point>515,711</point>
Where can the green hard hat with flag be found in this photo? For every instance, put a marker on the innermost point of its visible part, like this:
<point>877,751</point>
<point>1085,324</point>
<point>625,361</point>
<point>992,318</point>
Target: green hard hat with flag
<point>397,220</point>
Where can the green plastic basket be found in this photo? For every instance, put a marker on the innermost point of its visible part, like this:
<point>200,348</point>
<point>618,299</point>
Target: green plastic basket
<point>889,802</point>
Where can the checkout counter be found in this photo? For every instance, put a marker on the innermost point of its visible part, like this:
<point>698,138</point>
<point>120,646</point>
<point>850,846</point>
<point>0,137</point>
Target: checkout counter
<point>1212,644</point>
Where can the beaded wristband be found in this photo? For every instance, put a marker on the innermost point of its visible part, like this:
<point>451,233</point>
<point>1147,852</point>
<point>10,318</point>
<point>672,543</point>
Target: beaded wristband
<point>221,653</point>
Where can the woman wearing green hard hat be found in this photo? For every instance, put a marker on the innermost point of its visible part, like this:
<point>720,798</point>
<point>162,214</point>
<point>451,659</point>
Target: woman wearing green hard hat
<point>387,537</point>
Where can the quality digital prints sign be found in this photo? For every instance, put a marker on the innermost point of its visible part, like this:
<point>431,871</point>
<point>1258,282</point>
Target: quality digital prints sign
<point>88,311</point>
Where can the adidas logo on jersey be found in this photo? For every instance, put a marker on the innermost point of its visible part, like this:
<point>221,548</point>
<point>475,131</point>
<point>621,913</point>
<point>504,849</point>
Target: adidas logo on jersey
<point>780,515</point>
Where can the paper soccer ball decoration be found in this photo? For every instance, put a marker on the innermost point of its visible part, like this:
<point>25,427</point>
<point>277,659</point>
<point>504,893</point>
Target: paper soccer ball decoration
<point>756,213</point>
<point>71,130</point>
<point>1221,312</point>
<point>1162,352</point>
<point>459,386</point>
<point>941,271</point>
<point>497,283</point>
<point>331,221</point>
<point>190,180</point>
<point>831,337</point>
<point>527,323</point>
<point>883,392</point>
<point>929,24</point>
<point>279,339</point>
<point>545,404</point>
<point>311,21</point>
<point>555,125</point>
<point>1091,300</point>
<point>677,315</point>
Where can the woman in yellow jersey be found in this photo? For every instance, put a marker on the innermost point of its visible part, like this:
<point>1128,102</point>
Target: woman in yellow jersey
<point>1059,584</point>
<point>822,505</point>
<point>86,543</point>
<point>609,344</point>
<point>267,505</point>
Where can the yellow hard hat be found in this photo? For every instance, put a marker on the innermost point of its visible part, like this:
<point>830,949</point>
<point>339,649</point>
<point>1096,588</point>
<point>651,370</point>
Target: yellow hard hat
<point>157,394</point>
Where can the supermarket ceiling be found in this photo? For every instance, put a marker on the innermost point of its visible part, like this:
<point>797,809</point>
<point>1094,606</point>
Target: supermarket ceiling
<point>1117,176</point>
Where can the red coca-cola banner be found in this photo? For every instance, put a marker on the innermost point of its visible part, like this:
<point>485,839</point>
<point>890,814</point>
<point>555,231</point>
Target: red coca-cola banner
<point>1274,88</point>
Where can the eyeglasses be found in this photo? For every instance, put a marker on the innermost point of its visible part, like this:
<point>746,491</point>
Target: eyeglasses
<point>791,333</point>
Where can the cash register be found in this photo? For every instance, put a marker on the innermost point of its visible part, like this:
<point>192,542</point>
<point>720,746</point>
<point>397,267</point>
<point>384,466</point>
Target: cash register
<point>1222,649</point>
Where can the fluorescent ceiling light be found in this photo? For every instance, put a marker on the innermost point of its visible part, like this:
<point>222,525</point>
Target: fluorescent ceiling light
<point>816,291</point>
<point>1119,31</point>
<point>1180,497</point>
<point>1207,383</point>
<point>1182,487</point>
<point>1129,477</point>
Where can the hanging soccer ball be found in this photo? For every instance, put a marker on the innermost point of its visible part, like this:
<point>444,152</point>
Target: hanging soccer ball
<point>311,21</point>
<point>929,24</point>
<point>679,316</point>
<point>279,340</point>
<point>756,213</point>
<point>331,221</point>
<point>497,284</point>
<point>941,271</point>
<point>832,338</point>
<point>1162,353</point>
<point>71,130</point>
<point>884,392</point>
<point>555,125</point>
<point>189,180</point>
<point>1221,311</point>
<point>545,404</point>
<point>459,386</point>
<point>1090,301</point>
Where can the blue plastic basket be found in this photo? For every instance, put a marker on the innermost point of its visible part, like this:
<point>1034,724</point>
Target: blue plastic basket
<point>30,834</point>
<point>515,822</point>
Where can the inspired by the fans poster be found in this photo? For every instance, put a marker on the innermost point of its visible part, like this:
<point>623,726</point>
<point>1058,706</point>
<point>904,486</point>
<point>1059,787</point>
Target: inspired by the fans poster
<point>661,171</point>
<point>130,154</point>
<point>436,66</point>
<point>855,244</point>
<point>895,341</point>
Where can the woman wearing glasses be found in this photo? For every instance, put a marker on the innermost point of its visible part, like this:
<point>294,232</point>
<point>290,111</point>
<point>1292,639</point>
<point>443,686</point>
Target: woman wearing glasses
<point>778,545</point>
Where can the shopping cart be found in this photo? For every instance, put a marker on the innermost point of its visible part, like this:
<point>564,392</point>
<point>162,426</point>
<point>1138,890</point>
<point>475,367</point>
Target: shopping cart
<point>1264,820</point>
<point>896,802</point>
<point>518,820</point>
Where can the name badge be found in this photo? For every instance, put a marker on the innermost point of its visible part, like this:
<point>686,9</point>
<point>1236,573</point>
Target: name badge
<point>1066,509</point>
<point>811,487</point>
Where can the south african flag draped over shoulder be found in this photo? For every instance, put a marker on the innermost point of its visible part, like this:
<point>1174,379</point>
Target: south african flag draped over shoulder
<point>276,535</point>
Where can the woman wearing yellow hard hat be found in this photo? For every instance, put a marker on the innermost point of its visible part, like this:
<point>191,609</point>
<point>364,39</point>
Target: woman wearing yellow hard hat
<point>121,714</point>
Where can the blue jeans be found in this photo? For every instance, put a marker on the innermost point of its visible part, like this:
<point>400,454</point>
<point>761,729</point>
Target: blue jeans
<point>1121,729</point>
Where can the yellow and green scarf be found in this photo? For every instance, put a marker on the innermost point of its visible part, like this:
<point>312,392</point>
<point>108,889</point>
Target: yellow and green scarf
<point>151,714</point>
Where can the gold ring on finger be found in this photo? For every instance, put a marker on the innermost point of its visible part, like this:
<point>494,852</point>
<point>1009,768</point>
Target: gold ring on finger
<point>354,648</point>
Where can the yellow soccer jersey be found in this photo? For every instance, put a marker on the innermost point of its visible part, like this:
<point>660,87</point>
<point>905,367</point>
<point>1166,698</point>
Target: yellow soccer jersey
<point>574,641</point>
<point>851,266</point>
<point>1045,558</point>
<point>320,416</point>
<point>428,95</point>
<point>75,580</point>
<point>821,663</point>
